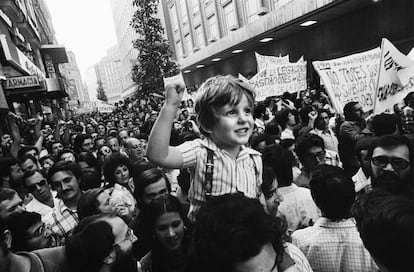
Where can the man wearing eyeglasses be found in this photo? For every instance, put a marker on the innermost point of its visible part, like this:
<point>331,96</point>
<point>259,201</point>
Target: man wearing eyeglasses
<point>43,200</point>
<point>392,164</point>
<point>311,151</point>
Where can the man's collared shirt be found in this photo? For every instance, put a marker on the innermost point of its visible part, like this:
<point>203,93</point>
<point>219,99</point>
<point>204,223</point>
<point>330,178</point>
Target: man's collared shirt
<point>62,221</point>
<point>297,206</point>
<point>329,138</point>
<point>243,174</point>
<point>334,246</point>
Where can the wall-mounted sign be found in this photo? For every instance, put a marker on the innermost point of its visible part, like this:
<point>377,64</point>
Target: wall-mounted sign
<point>21,82</point>
<point>18,59</point>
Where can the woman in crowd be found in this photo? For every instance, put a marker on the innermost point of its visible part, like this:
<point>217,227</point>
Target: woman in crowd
<point>287,121</point>
<point>171,235</point>
<point>117,171</point>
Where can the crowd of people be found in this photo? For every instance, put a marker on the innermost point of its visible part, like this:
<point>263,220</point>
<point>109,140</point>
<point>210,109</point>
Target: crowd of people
<point>221,183</point>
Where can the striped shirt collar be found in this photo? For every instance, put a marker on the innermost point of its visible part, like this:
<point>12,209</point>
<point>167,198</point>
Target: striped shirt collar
<point>245,151</point>
<point>326,223</point>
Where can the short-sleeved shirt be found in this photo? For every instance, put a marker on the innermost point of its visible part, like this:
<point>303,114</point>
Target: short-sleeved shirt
<point>62,221</point>
<point>243,174</point>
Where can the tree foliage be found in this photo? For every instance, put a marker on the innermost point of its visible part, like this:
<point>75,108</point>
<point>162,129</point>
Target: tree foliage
<point>154,54</point>
<point>100,92</point>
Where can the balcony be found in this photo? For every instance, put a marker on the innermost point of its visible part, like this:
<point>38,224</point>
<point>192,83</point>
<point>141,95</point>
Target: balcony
<point>18,14</point>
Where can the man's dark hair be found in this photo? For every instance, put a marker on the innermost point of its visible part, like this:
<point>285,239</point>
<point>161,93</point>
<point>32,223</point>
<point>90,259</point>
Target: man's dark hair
<point>282,117</point>
<point>5,165</point>
<point>18,224</point>
<point>146,178</point>
<point>332,191</point>
<point>6,194</point>
<point>385,223</point>
<point>259,109</point>
<point>77,144</point>
<point>26,157</point>
<point>64,166</point>
<point>65,151</point>
<point>268,179</point>
<point>92,240</point>
<point>28,174</point>
<point>362,144</point>
<point>231,229</point>
<point>306,142</point>
<point>384,124</point>
<point>88,203</point>
<point>281,162</point>
<point>90,160</point>
<point>43,158</point>
<point>389,141</point>
<point>23,150</point>
<point>348,110</point>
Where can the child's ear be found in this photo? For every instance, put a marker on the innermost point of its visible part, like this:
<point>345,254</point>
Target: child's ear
<point>205,129</point>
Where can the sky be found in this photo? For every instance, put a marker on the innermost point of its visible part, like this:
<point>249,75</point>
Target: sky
<point>84,27</point>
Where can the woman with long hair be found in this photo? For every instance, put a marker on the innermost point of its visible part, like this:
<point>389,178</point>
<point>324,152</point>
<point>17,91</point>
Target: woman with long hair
<point>171,235</point>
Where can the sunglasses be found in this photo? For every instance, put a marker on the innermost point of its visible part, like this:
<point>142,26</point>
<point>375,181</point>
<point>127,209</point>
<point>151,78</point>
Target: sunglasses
<point>397,163</point>
<point>33,187</point>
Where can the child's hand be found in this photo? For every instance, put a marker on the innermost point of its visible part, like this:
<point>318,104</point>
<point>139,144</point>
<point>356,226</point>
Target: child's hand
<point>174,93</point>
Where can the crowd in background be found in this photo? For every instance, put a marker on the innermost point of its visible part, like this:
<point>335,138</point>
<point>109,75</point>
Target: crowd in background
<point>335,191</point>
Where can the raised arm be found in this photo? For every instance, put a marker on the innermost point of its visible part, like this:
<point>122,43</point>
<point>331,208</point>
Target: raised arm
<point>38,134</point>
<point>159,151</point>
<point>15,134</point>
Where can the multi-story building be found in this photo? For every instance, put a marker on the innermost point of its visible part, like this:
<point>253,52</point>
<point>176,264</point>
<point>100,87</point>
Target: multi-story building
<point>29,60</point>
<point>91,82</point>
<point>211,37</point>
<point>73,81</point>
<point>122,11</point>
<point>109,71</point>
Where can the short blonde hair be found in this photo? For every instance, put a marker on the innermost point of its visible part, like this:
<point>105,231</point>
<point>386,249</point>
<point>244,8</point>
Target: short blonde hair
<point>217,92</point>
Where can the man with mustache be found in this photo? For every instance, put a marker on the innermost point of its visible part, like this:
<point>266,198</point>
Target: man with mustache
<point>392,164</point>
<point>64,177</point>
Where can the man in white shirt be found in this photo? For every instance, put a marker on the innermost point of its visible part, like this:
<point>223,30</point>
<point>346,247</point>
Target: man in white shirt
<point>43,200</point>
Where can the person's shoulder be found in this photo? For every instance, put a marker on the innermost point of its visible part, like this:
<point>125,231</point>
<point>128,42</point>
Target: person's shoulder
<point>53,259</point>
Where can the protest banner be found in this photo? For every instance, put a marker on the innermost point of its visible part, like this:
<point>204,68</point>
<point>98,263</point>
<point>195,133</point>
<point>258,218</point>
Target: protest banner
<point>274,81</point>
<point>396,77</point>
<point>351,78</point>
<point>104,108</point>
<point>264,62</point>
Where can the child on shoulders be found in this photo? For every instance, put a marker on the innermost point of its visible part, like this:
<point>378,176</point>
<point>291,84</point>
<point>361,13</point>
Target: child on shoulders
<point>220,163</point>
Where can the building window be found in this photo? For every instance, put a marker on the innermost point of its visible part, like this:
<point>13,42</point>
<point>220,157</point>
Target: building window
<point>229,12</point>
<point>199,36</point>
<point>209,7</point>
<point>251,7</point>
<point>179,49</point>
<point>213,27</point>
<point>183,11</point>
<point>188,43</point>
<point>174,22</point>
